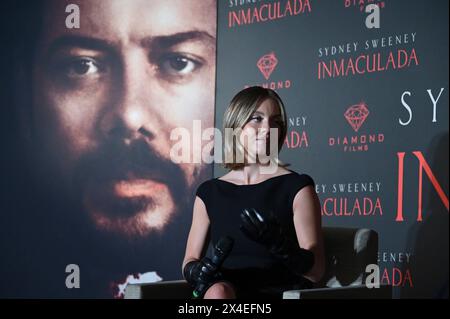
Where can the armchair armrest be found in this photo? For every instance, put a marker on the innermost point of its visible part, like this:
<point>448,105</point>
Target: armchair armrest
<point>176,289</point>
<point>354,292</point>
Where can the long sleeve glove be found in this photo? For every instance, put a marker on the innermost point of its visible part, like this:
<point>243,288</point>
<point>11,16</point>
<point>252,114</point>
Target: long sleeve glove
<point>267,231</point>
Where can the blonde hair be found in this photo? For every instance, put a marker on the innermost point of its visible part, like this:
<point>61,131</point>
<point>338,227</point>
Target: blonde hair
<point>238,113</point>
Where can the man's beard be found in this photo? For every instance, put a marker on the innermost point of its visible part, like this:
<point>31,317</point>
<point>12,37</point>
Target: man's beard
<point>130,190</point>
<point>94,181</point>
<point>62,207</point>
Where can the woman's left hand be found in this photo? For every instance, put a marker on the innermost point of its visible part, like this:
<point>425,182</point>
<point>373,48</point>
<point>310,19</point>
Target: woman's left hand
<point>261,228</point>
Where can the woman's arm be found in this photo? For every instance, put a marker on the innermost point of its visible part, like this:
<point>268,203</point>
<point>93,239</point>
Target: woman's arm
<point>197,233</point>
<point>308,226</point>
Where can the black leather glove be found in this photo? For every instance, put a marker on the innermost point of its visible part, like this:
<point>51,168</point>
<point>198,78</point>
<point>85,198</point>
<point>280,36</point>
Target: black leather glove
<point>201,274</point>
<point>267,231</point>
<point>263,229</point>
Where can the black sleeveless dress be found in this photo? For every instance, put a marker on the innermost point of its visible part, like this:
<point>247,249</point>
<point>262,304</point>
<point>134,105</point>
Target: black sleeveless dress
<point>249,266</point>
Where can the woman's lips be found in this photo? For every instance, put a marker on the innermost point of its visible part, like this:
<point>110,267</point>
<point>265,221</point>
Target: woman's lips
<point>261,142</point>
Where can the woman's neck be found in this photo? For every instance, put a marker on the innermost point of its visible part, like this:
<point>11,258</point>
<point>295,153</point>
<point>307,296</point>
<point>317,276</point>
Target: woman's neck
<point>254,173</point>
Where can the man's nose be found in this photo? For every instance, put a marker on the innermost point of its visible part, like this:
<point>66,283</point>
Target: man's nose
<point>131,112</point>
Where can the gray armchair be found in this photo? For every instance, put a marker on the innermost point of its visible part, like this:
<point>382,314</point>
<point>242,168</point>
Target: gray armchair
<point>347,251</point>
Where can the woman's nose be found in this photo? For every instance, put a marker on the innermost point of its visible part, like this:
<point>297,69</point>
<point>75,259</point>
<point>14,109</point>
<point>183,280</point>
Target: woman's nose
<point>263,130</point>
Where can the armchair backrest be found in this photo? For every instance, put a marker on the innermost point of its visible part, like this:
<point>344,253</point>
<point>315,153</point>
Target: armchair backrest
<point>347,253</point>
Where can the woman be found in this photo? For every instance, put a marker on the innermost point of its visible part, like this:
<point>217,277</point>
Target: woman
<point>273,215</point>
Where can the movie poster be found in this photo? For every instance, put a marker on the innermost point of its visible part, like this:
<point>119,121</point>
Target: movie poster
<point>91,93</point>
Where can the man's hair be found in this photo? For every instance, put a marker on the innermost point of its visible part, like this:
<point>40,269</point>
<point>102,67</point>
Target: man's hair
<point>238,113</point>
<point>22,21</point>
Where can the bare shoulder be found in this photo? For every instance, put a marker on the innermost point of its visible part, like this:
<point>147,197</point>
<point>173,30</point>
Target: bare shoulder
<point>307,200</point>
<point>283,171</point>
<point>229,177</point>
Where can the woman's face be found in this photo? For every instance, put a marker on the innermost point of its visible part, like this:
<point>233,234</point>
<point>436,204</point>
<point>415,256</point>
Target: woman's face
<point>258,131</point>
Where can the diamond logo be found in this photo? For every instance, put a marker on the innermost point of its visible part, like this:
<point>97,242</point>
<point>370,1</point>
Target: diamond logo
<point>267,63</point>
<point>356,115</point>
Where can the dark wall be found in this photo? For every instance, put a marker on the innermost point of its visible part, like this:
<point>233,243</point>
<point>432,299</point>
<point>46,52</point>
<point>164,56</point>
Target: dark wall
<point>362,101</point>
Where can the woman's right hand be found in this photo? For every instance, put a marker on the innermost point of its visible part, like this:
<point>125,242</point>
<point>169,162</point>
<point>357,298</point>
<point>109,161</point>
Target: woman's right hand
<point>201,274</point>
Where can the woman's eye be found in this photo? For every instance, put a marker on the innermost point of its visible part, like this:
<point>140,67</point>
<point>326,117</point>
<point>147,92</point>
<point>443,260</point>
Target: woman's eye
<point>257,119</point>
<point>176,65</point>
